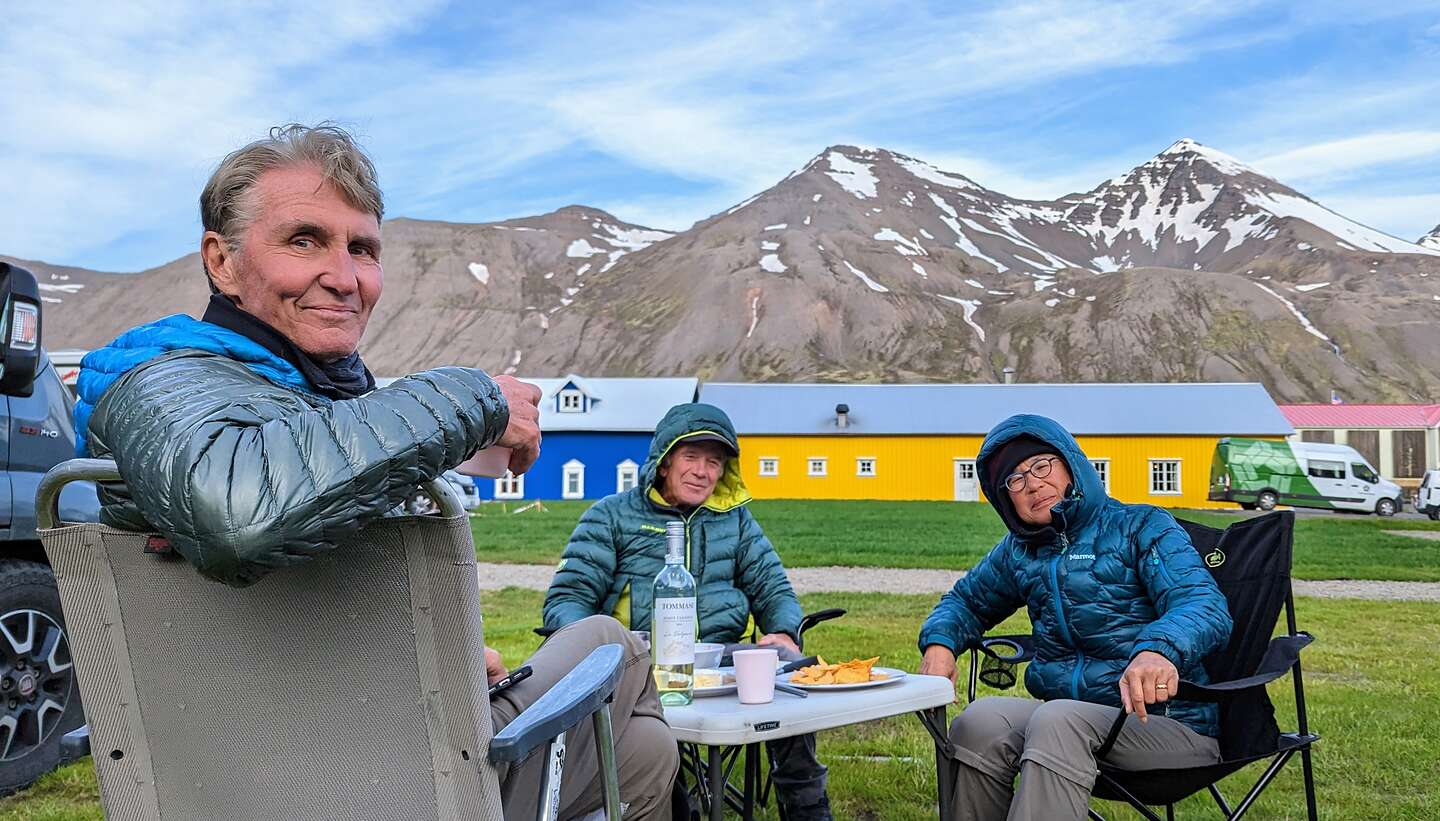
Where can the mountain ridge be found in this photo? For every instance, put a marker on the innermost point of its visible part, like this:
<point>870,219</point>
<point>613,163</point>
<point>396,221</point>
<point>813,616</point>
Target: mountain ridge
<point>867,264</point>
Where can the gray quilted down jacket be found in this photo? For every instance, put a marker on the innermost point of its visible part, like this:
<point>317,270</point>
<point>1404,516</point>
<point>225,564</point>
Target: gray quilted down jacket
<point>244,475</point>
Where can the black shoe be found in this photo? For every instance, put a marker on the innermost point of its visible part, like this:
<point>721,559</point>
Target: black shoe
<point>813,811</point>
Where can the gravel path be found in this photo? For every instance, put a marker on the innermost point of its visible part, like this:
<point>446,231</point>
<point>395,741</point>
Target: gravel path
<point>1432,535</point>
<point>904,580</point>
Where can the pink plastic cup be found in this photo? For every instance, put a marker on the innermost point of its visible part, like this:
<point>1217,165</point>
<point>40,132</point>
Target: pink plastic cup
<point>490,463</point>
<point>755,675</point>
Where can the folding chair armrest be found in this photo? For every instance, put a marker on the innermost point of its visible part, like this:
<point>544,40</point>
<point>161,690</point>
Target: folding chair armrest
<point>1023,647</point>
<point>809,620</point>
<point>545,632</point>
<point>583,691</point>
<point>76,743</point>
<point>1280,656</point>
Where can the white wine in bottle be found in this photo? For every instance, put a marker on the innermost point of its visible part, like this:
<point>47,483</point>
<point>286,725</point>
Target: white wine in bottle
<point>672,628</point>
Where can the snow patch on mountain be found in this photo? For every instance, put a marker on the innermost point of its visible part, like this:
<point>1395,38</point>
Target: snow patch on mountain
<point>970,306</point>
<point>909,247</point>
<point>855,177</point>
<point>1304,320</point>
<point>582,248</point>
<point>874,286</point>
<point>772,263</point>
<point>929,173</point>
<point>1431,240</point>
<point>477,270</point>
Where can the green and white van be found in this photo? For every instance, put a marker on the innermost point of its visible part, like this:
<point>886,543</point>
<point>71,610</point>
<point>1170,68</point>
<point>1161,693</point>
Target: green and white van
<point>1264,473</point>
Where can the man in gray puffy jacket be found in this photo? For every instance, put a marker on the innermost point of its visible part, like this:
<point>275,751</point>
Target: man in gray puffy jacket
<point>255,438</point>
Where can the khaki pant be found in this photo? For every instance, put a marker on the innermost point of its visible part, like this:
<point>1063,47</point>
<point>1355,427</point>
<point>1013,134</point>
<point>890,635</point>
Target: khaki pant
<point>1051,746</point>
<point>645,752</point>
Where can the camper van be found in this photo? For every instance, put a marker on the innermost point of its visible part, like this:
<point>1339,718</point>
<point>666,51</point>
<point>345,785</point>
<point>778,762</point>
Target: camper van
<point>1427,498</point>
<point>1261,473</point>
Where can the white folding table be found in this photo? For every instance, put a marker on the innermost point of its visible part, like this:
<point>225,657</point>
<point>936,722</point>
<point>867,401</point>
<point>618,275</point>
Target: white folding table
<point>721,722</point>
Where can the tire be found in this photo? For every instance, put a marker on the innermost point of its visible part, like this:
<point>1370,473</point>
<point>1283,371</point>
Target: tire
<point>1434,514</point>
<point>36,675</point>
<point>1267,500</point>
<point>1385,507</point>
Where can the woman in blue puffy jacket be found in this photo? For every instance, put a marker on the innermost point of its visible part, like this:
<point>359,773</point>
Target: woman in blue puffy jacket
<point>1122,608</point>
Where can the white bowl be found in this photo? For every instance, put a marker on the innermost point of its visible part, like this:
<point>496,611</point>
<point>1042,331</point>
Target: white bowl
<point>708,654</point>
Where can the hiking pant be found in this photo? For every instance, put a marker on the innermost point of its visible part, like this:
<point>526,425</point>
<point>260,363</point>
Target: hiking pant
<point>799,778</point>
<point>645,751</point>
<point>1051,746</point>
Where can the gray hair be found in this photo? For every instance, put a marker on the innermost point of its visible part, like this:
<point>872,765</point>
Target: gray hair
<point>225,204</point>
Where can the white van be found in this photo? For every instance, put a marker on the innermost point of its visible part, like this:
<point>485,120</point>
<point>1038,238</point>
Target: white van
<point>1346,480</point>
<point>1263,473</point>
<point>1427,498</point>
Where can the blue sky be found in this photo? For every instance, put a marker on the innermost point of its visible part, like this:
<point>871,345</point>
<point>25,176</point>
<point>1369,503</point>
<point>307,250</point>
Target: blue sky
<point>666,113</point>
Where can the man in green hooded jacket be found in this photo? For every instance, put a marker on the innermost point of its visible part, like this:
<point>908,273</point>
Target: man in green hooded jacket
<point>692,474</point>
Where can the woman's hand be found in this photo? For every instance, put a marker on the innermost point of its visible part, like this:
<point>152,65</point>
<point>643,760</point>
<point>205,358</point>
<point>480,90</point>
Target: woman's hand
<point>938,661</point>
<point>1150,679</point>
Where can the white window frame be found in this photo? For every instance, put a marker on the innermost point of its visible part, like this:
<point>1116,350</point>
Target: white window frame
<point>572,400</point>
<point>575,468</point>
<point>817,466</point>
<point>769,465</point>
<point>1104,472</point>
<point>510,486</point>
<point>860,466</point>
<point>1178,473</point>
<point>626,469</point>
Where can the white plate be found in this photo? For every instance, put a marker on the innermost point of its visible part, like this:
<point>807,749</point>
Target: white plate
<point>891,675</point>
<point>723,689</point>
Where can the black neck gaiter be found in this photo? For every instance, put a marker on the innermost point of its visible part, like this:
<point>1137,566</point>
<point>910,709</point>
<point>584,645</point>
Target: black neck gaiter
<point>345,378</point>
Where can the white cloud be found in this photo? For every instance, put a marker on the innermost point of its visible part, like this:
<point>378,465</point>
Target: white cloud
<point>1338,158</point>
<point>1407,216</point>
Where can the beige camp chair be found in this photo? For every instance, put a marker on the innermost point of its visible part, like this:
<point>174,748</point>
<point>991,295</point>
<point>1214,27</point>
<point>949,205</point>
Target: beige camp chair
<point>352,686</point>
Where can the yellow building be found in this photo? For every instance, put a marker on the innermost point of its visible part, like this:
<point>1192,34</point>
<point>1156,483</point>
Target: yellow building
<point>1150,443</point>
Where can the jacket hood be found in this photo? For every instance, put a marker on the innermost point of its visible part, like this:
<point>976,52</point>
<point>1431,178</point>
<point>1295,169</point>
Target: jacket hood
<point>103,367</point>
<point>1084,498</point>
<point>680,423</point>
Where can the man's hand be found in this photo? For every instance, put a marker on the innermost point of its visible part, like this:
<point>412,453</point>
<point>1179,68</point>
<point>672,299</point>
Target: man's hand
<point>494,667</point>
<point>1151,678</point>
<point>938,661</point>
<point>522,435</point>
<point>779,640</point>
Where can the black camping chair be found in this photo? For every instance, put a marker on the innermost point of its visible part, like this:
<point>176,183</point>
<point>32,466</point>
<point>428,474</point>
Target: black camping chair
<point>1250,561</point>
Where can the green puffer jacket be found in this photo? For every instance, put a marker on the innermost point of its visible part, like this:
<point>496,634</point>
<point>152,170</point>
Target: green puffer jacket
<point>244,475</point>
<point>618,547</point>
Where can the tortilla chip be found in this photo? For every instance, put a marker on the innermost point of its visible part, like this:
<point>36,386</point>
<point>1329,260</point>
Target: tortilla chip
<point>855,671</point>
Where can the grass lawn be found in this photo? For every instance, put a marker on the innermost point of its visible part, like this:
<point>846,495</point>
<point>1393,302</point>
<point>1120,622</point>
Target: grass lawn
<point>955,535</point>
<point>1372,691</point>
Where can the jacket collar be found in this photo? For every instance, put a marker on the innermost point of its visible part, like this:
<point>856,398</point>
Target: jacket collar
<point>345,379</point>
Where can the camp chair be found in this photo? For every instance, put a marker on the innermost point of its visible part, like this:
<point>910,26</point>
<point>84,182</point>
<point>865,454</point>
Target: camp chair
<point>1250,561</point>
<point>351,686</point>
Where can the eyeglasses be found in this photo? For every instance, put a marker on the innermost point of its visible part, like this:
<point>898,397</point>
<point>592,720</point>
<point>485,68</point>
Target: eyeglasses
<point>1040,468</point>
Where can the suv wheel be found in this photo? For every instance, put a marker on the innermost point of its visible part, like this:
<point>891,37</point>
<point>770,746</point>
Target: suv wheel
<point>39,701</point>
<point>1433,513</point>
<point>1385,507</point>
<point>1267,500</point>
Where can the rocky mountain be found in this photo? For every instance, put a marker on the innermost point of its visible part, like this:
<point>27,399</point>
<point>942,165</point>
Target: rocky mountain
<point>1430,240</point>
<point>866,264</point>
<point>453,292</point>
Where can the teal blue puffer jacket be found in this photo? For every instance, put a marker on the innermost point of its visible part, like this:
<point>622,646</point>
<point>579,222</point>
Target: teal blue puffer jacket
<point>1103,582</point>
<point>611,561</point>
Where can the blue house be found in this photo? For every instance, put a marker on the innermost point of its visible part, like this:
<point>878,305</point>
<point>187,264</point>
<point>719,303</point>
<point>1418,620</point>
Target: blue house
<point>595,436</point>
